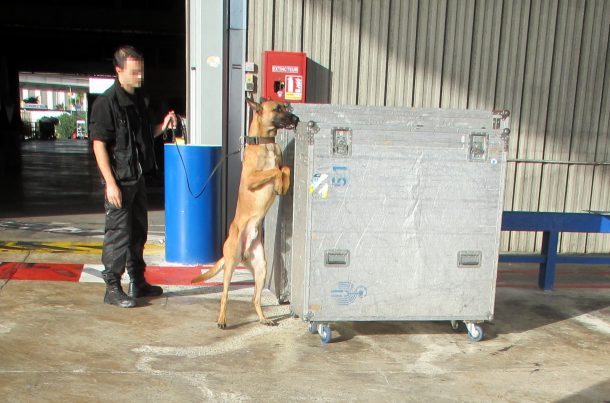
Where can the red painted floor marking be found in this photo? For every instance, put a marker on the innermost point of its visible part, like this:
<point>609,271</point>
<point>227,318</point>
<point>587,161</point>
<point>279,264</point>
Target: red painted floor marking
<point>183,275</point>
<point>40,271</point>
<point>172,275</point>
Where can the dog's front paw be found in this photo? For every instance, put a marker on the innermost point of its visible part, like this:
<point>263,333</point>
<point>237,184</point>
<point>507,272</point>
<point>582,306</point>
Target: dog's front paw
<point>268,322</point>
<point>222,325</point>
<point>278,183</point>
<point>285,180</point>
<point>285,188</point>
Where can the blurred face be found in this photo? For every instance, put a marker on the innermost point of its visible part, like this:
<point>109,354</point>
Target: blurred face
<point>131,75</point>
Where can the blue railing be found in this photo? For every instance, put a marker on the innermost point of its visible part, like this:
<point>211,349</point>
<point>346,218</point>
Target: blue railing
<point>551,224</point>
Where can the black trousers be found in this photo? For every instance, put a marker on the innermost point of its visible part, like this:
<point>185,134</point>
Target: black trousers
<point>125,234</point>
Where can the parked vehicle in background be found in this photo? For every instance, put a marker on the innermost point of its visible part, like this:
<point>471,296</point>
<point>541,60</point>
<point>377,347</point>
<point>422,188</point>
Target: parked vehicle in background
<point>46,128</point>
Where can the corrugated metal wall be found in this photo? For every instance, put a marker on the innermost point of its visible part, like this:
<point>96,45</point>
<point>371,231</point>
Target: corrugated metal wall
<point>547,61</point>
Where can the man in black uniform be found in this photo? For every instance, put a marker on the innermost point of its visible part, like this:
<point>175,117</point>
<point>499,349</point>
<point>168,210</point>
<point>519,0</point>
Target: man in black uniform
<point>123,144</point>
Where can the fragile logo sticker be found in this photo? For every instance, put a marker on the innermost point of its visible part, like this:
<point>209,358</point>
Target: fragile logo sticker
<point>345,293</point>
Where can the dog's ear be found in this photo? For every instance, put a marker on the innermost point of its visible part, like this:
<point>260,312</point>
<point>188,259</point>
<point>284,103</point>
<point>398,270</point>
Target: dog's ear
<point>261,100</point>
<point>255,107</point>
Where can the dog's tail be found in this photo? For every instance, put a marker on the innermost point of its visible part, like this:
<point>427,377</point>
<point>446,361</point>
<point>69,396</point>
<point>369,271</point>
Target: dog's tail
<point>210,273</point>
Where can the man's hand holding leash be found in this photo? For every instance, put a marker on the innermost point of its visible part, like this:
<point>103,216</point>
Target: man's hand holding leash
<point>169,122</point>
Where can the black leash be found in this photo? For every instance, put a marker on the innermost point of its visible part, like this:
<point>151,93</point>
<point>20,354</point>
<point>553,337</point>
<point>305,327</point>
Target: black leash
<point>188,184</point>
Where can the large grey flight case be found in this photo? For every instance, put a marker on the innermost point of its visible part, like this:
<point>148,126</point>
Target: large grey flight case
<point>396,215</point>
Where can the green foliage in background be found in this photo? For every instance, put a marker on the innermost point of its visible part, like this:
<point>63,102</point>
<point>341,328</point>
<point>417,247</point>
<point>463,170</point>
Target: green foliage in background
<point>67,124</point>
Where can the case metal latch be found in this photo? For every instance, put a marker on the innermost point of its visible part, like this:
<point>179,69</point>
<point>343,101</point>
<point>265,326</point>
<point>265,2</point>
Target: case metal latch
<point>312,128</point>
<point>501,119</point>
<point>307,131</point>
<point>342,141</point>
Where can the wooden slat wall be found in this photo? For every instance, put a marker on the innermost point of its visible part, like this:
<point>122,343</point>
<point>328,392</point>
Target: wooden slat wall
<point>316,43</point>
<point>561,105</point>
<point>345,49</point>
<point>600,195</point>
<point>484,58</point>
<point>401,52</point>
<point>287,35</point>
<point>373,59</point>
<point>458,53</point>
<point>587,111</point>
<point>510,88</point>
<point>534,107</point>
<point>547,61</point>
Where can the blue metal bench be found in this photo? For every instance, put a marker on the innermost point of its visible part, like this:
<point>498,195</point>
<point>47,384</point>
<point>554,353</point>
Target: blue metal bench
<point>551,224</point>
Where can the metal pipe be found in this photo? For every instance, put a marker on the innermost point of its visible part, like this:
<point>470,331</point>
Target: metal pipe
<point>556,162</point>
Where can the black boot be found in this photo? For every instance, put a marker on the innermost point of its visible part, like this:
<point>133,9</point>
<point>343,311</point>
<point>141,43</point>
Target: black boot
<point>140,288</point>
<point>116,296</point>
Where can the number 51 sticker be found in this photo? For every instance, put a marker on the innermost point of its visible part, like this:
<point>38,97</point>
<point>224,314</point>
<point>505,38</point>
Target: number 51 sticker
<point>339,177</point>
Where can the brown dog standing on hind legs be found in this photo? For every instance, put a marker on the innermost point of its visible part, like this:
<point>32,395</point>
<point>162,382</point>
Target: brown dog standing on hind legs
<point>262,178</point>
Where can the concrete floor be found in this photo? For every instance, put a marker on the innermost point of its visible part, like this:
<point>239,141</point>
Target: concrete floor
<point>59,342</point>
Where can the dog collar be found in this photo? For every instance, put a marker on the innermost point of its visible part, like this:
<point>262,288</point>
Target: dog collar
<point>259,140</point>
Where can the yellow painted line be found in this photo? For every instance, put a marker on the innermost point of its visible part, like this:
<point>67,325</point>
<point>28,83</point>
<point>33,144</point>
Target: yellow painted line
<point>84,248</point>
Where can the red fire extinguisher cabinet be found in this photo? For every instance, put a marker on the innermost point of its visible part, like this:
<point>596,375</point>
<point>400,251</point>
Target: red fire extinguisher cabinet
<point>284,76</point>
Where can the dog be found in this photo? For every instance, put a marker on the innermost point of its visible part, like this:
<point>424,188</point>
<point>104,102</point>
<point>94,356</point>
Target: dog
<point>262,178</point>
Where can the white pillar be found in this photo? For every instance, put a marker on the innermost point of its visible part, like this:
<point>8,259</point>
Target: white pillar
<point>207,77</point>
<point>236,107</point>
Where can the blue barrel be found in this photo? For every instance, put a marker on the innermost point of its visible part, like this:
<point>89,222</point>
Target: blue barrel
<point>192,213</point>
